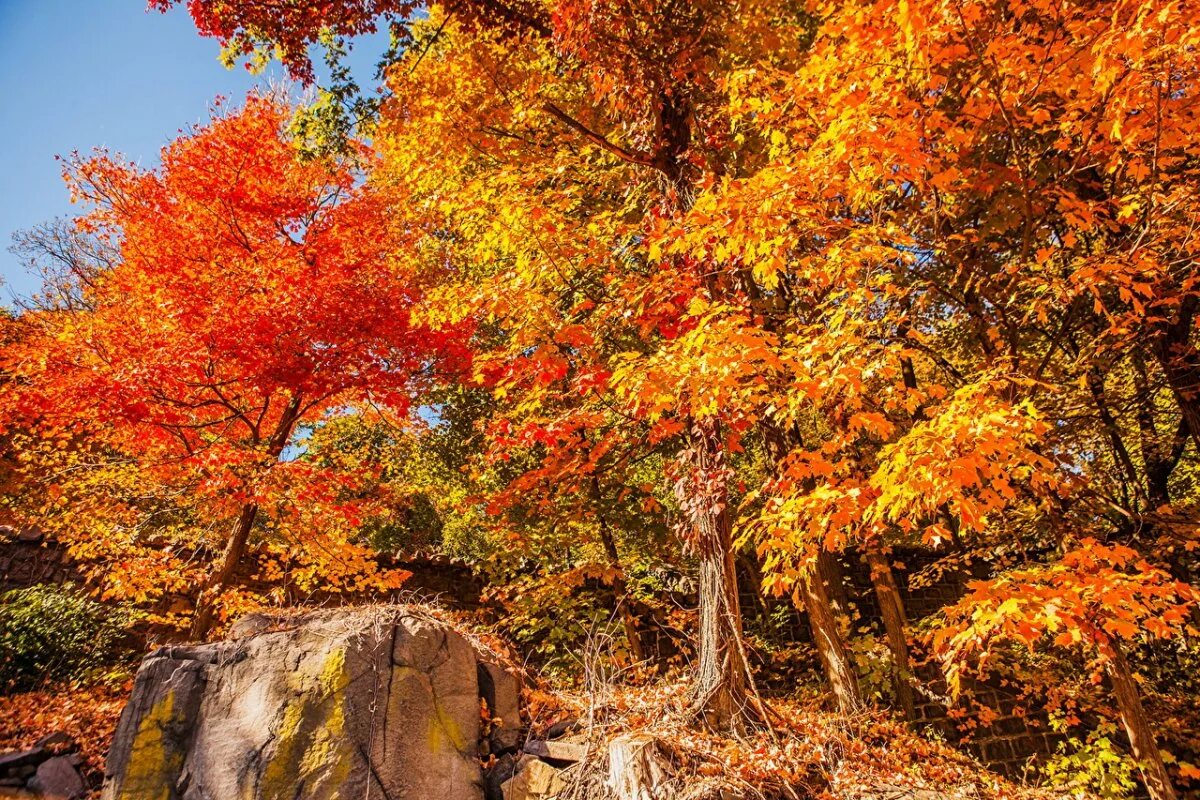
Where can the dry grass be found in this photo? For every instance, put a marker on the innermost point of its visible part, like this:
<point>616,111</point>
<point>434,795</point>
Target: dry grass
<point>811,753</point>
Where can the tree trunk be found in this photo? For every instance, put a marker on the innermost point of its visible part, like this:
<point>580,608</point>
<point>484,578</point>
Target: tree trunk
<point>1137,727</point>
<point>235,550</point>
<point>818,590</point>
<point>1181,364</point>
<point>1095,383</point>
<point>1184,380</point>
<point>620,589</point>
<point>891,608</point>
<point>827,636</point>
<point>722,685</point>
<point>638,768</point>
<point>722,690</point>
<point>833,572</point>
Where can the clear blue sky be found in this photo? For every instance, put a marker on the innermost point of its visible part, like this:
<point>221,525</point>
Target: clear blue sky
<point>78,74</point>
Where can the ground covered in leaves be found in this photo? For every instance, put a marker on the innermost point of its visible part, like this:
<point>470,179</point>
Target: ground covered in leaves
<point>810,753</point>
<point>807,753</point>
<point>88,714</point>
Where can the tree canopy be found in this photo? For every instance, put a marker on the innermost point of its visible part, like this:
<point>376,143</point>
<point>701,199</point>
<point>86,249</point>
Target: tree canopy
<point>703,283</point>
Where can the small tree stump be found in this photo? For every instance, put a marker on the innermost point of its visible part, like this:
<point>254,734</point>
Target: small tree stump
<point>637,768</point>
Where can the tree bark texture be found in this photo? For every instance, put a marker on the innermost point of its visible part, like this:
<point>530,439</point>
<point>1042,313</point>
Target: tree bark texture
<point>818,591</point>
<point>1137,727</point>
<point>235,548</point>
<point>891,608</point>
<point>222,576</point>
<point>722,685</point>
<point>620,589</point>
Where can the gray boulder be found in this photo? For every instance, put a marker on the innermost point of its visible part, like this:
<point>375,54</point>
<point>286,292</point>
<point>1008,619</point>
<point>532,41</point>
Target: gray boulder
<point>57,779</point>
<point>369,702</point>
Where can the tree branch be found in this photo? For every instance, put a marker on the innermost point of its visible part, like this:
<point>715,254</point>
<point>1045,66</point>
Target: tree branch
<point>596,139</point>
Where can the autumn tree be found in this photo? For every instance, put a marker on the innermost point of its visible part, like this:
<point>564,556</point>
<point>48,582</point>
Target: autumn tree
<point>594,119</point>
<point>937,257</point>
<point>251,292</point>
<point>623,103</point>
<point>1005,193</point>
<point>559,176</point>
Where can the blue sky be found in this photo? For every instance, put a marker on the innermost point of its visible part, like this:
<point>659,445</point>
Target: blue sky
<point>78,74</point>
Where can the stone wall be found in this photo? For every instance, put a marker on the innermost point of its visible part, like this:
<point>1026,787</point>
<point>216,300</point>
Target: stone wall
<point>26,558</point>
<point>1013,739</point>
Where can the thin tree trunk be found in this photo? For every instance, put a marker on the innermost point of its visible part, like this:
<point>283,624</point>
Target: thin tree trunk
<point>1184,381</point>
<point>1159,455</point>
<point>722,685</point>
<point>1181,364</point>
<point>1095,383</point>
<point>827,636</point>
<point>235,550</point>
<point>1137,727</point>
<point>817,591</point>
<point>834,574</point>
<point>620,589</point>
<point>891,608</point>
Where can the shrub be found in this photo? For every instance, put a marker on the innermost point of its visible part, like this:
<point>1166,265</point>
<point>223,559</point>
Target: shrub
<point>55,633</point>
<point>1093,765</point>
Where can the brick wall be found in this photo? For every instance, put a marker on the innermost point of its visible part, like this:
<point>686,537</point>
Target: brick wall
<point>1014,739</point>
<point>1015,736</point>
<point>26,559</point>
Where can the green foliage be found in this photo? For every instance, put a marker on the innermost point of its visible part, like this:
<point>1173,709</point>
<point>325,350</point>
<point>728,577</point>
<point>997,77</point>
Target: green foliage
<point>52,633</point>
<point>553,617</point>
<point>1093,766</point>
<point>429,503</point>
<point>340,111</point>
<point>873,661</point>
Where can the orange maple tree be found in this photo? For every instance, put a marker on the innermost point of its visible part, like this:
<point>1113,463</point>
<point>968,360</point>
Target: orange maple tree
<point>254,293</point>
<point>859,232</point>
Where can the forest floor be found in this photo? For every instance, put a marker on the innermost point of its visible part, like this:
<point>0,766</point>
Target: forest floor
<point>807,753</point>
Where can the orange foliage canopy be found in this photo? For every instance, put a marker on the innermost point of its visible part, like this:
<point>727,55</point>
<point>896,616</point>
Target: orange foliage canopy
<point>255,293</point>
<point>937,257</point>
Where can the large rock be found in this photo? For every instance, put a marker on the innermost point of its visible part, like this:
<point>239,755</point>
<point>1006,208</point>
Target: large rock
<point>57,779</point>
<point>367,703</point>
